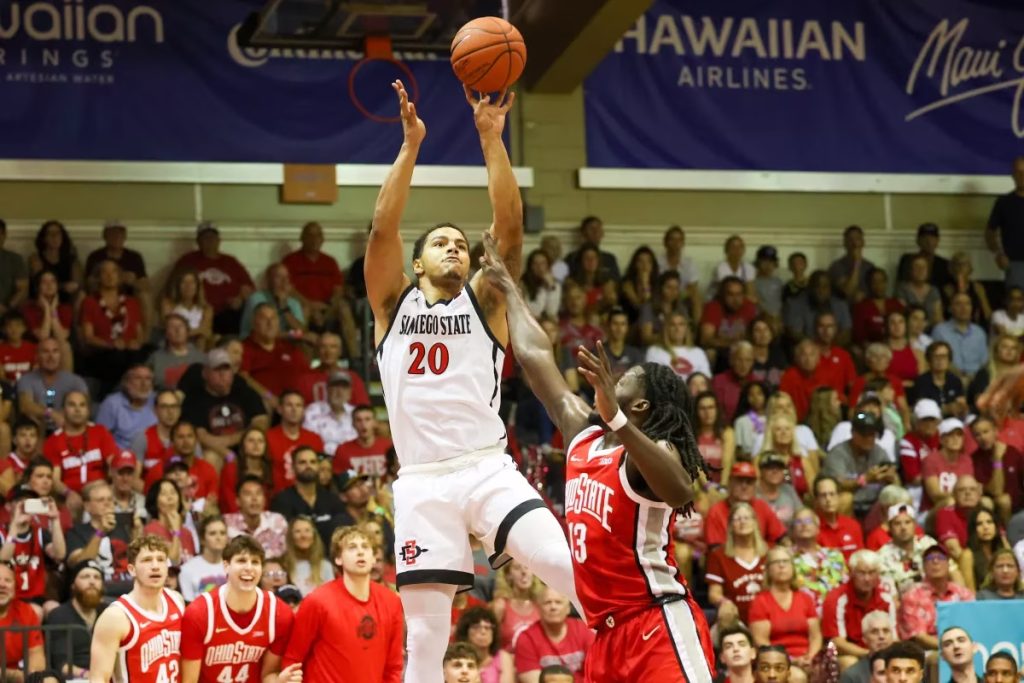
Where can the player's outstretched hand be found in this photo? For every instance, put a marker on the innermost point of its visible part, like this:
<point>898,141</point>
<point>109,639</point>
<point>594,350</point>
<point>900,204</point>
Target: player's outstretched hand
<point>490,118</point>
<point>596,369</point>
<point>290,674</point>
<point>493,267</point>
<point>1004,395</point>
<point>414,128</point>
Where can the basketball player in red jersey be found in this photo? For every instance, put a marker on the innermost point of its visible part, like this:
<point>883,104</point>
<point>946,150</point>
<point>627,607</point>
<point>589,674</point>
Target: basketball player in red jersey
<point>138,638</point>
<point>440,349</point>
<point>238,632</point>
<point>625,478</point>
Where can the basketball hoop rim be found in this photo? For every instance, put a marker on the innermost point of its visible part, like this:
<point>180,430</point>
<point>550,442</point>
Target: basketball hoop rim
<point>407,76</point>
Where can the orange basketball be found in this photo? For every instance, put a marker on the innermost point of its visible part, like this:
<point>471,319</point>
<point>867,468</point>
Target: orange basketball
<point>488,54</point>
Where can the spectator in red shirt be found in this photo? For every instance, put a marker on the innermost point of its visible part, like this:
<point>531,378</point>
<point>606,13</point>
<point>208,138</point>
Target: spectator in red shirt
<point>782,615</point>
<point>81,450</point>
<point>28,542</point>
<point>250,461</point>
<point>835,530</point>
<point>367,453</point>
<point>729,385</point>
<point>45,315</point>
<point>269,364</point>
<point>742,488</point>
<point>111,328</point>
<point>725,319</point>
<point>283,439</point>
<point>837,361</point>
<point>735,571</point>
<point>313,384</point>
<point>349,629</point>
<point>998,467</point>
<point>202,475</point>
<point>575,328</point>
<point>17,355</point>
<point>14,612</point>
<point>919,443</point>
<point>878,358</point>
<point>869,314</point>
<point>845,607</point>
<point>942,469</point>
<point>320,284</point>
<point>226,283</point>
<point>153,446</point>
<point>806,375</point>
<point>951,521</point>
<point>554,639</point>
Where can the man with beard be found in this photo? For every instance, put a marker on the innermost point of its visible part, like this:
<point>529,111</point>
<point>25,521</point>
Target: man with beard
<point>283,439</point>
<point>71,657</point>
<point>307,497</point>
<point>237,632</point>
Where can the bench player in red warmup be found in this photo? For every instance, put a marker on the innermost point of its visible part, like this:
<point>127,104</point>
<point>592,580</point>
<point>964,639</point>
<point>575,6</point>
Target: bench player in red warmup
<point>440,349</point>
<point>629,467</point>
<point>138,638</point>
<point>238,632</point>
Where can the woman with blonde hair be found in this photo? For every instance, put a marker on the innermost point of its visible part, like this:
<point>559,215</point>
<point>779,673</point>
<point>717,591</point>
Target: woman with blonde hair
<point>907,361</point>
<point>1004,355</point>
<point>183,295</point>
<point>735,570</point>
<point>676,349</point>
<point>783,616</point>
<point>304,556</point>
<point>1003,581</point>
<point>780,438</point>
<point>517,596</point>
<point>781,402</point>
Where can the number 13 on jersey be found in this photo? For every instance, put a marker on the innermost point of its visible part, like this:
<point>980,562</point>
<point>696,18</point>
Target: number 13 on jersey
<point>578,541</point>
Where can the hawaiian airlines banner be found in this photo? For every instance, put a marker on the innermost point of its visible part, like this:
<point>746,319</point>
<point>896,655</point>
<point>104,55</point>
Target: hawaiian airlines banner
<point>993,625</point>
<point>915,86</point>
<point>167,80</point>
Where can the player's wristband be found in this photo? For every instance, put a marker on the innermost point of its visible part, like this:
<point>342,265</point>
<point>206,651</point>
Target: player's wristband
<point>100,533</point>
<point>997,464</point>
<point>617,422</point>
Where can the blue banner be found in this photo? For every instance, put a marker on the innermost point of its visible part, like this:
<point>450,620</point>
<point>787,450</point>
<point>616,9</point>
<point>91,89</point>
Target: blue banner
<point>167,80</point>
<point>914,86</point>
<point>993,625</point>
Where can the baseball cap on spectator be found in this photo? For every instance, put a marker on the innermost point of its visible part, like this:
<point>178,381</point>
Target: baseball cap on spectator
<point>950,424</point>
<point>339,377</point>
<point>743,470</point>
<point>866,423</point>
<point>937,548</point>
<point>204,227</point>
<point>176,462</point>
<point>123,461</point>
<point>928,229</point>
<point>773,459</point>
<point>767,253</point>
<point>900,509</point>
<point>927,409</point>
<point>218,358</point>
<point>348,478</point>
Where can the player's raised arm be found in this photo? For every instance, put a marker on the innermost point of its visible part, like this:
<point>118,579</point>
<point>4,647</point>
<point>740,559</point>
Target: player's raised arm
<point>111,627</point>
<point>533,348</point>
<point>386,278</point>
<point>506,201</point>
<point>658,463</point>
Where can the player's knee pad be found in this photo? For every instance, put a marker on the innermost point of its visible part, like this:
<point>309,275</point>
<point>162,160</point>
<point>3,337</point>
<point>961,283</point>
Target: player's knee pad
<point>428,610</point>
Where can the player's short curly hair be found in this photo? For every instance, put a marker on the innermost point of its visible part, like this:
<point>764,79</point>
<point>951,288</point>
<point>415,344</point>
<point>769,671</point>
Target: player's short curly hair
<point>146,542</point>
<point>421,241</point>
<point>461,651</point>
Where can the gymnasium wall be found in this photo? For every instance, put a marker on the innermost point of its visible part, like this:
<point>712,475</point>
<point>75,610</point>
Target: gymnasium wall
<point>548,136</point>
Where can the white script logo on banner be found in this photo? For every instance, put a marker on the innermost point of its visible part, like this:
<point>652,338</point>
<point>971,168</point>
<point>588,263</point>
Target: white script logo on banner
<point>962,72</point>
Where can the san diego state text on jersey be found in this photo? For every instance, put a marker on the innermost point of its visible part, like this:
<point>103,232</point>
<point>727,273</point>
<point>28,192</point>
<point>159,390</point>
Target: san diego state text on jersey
<point>432,324</point>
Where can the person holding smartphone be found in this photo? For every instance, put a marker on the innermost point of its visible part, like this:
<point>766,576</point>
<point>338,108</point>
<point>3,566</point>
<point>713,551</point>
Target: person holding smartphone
<point>29,543</point>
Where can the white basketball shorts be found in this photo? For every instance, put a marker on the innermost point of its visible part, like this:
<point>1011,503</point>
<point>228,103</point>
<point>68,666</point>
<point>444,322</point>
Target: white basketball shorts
<point>439,505</point>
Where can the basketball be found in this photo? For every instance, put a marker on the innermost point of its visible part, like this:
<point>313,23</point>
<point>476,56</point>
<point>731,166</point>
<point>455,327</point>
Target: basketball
<point>488,54</point>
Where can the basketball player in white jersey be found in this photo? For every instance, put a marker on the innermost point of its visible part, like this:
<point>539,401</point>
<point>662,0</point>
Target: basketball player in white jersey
<point>440,348</point>
<point>138,638</point>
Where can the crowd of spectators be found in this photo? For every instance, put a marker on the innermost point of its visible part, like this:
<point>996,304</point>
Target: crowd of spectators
<point>854,481</point>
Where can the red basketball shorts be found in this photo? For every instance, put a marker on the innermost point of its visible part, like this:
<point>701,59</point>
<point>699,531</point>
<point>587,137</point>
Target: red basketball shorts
<point>667,644</point>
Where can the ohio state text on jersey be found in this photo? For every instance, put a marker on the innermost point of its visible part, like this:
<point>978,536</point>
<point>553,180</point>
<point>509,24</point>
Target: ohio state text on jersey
<point>151,651</point>
<point>233,653</point>
<point>621,542</point>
